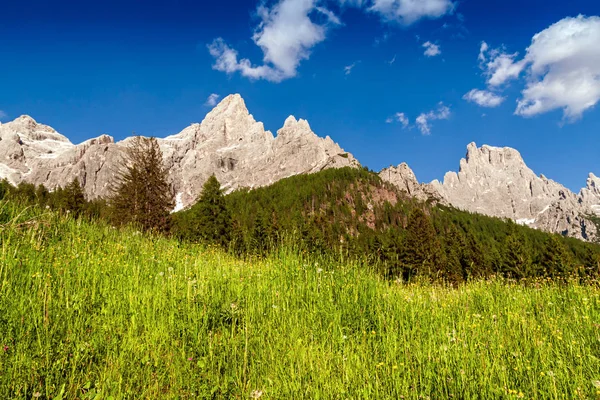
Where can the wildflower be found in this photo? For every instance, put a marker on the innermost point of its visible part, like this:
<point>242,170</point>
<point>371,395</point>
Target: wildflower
<point>319,270</point>
<point>190,358</point>
<point>256,394</point>
<point>5,348</point>
<point>596,384</point>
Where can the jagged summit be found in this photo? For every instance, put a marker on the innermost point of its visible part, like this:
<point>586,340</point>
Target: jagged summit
<point>235,147</point>
<point>228,143</point>
<point>496,181</point>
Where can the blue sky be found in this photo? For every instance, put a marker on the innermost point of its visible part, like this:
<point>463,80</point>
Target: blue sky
<point>148,67</point>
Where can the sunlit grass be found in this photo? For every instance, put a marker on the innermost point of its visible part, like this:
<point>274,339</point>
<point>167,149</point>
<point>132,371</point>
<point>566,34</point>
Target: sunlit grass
<point>87,311</point>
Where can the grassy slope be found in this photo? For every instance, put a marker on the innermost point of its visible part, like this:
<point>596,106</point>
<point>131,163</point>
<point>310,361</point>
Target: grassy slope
<point>89,311</point>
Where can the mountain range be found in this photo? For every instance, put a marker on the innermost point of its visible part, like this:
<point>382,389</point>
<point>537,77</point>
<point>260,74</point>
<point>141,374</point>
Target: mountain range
<point>233,146</point>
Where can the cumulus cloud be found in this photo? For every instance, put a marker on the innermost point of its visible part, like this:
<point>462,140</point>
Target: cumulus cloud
<point>501,67</point>
<point>423,121</point>
<point>431,50</point>
<point>289,29</point>
<point>408,12</point>
<point>563,69</point>
<point>212,100</point>
<point>286,35</point>
<point>484,98</point>
<point>399,117</point>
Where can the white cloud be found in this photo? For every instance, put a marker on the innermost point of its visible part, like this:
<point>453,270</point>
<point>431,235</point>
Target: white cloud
<point>399,117</point>
<point>3,114</point>
<point>393,60</point>
<point>423,120</point>
<point>331,17</point>
<point>289,29</point>
<point>286,34</point>
<point>564,69</point>
<point>482,50</point>
<point>484,98</point>
<point>212,100</point>
<point>431,50</point>
<point>410,11</point>
<point>348,69</point>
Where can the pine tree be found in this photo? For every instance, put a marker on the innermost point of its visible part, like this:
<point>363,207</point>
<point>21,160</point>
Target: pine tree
<point>516,257</point>
<point>556,260</point>
<point>422,251</point>
<point>74,199</point>
<point>143,195</point>
<point>210,219</point>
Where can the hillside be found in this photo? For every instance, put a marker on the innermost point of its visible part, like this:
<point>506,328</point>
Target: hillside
<point>353,213</point>
<point>88,311</point>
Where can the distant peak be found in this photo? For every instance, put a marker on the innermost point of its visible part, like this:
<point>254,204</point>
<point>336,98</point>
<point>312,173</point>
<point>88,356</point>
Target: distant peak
<point>26,119</point>
<point>291,120</point>
<point>233,100</point>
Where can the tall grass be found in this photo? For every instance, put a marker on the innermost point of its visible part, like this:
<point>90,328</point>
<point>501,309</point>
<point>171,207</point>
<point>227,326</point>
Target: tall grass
<point>90,312</point>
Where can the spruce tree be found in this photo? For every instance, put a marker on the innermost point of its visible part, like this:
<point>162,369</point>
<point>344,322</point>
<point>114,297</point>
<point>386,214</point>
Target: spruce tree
<point>556,260</point>
<point>74,198</point>
<point>516,258</point>
<point>143,195</point>
<point>422,251</point>
<point>210,219</point>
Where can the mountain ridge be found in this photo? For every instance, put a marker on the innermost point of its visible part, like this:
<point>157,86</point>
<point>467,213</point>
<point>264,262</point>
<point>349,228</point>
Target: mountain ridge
<point>235,147</point>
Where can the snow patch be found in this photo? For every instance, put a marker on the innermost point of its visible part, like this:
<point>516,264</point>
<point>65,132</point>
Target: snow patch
<point>178,202</point>
<point>544,210</point>
<point>525,221</point>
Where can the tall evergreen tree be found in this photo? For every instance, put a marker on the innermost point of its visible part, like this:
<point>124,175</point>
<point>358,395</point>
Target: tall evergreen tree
<point>143,194</point>
<point>516,258</point>
<point>74,198</point>
<point>210,220</point>
<point>422,251</point>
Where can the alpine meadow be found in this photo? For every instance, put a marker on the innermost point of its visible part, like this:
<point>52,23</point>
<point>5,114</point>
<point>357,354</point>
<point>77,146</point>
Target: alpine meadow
<point>173,227</point>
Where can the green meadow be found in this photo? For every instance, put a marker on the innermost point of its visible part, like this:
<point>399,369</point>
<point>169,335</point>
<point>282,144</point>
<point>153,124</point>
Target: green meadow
<point>88,311</point>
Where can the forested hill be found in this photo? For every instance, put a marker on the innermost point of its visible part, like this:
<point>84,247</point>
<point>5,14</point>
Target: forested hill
<point>352,213</point>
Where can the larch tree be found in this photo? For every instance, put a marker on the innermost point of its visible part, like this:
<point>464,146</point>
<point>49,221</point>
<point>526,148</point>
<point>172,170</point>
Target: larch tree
<point>143,195</point>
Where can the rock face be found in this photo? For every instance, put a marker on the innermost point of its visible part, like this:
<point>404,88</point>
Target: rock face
<point>405,179</point>
<point>497,182</point>
<point>228,143</point>
<point>234,147</point>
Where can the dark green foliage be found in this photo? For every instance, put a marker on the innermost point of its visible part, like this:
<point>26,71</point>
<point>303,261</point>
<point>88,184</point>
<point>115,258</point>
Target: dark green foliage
<point>351,213</point>
<point>143,195</point>
<point>208,220</point>
<point>422,254</point>
<point>74,199</point>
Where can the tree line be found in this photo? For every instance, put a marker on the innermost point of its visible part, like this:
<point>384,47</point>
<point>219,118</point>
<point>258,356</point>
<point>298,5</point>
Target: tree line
<point>343,213</point>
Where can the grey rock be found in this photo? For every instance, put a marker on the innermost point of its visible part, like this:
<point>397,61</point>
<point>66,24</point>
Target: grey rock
<point>497,182</point>
<point>405,179</point>
<point>228,143</point>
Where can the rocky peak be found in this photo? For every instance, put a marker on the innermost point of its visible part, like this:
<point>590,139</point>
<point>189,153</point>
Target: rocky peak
<point>593,184</point>
<point>405,179</point>
<point>295,128</point>
<point>504,157</point>
<point>230,123</point>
